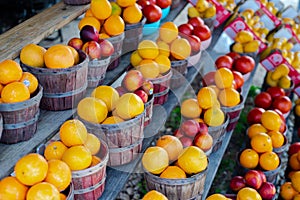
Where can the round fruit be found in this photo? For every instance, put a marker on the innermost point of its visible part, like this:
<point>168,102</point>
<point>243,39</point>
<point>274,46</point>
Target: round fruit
<point>224,61</point>
<point>101,9</point>
<point>248,193</point>
<point>282,103</point>
<point>30,81</point>
<point>261,143</point>
<point>33,55</point>
<point>55,150</point>
<point>77,157</point>
<point>114,25</point>
<point>132,14</point>
<point>223,78</point>
<point>271,120</point>
<point>171,144</point>
<point>287,191</point>
<point>229,97</point>
<point>296,181</point>
<point>59,56</point>
<point>155,159</point>
<point>73,132</point>
<point>206,97</point>
<point>173,172</point>
<point>269,160</point>
<point>180,48</point>
<point>263,100</point>
<point>153,194</point>
<point>107,94</point>
<point>254,129</point>
<point>249,158</point>
<point>214,116</point>
<point>92,143</point>
<point>148,49</point>
<point>254,115</point>
<point>216,197</point>
<point>168,32</point>
<point>190,108</point>
<point>10,71</point>
<point>15,92</point>
<point>129,105</point>
<point>44,191</point>
<point>92,21</point>
<point>11,188</point>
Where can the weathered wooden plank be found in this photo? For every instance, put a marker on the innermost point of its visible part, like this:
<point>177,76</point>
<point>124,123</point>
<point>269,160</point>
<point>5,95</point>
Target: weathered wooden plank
<point>37,28</point>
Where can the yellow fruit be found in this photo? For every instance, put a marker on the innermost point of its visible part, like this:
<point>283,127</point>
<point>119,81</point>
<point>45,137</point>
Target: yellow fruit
<point>193,12</point>
<point>32,55</point>
<point>280,71</point>
<point>190,108</point>
<point>269,161</point>
<point>223,78</point>
<point>148,49</point>
<point>135,58</point>
<point>164,63</point>
<point>107,94</point>
<point>30,81</point>
<point>92,143</point>
<point>101,9</point>
<point>92,21</point>
<point>168,32</point>
<point>229,97</point>
<point>238,47</point>
<point>149,70</point>
<point>269,79</point>
<point>252,46</point>
<point>243,37</point>
<point>285,82</point>
<point>248,193</point>
<point>271,120</point>
<point>206,97</point>
<point>296,181</point>
<point>216,197</point>
<point>132,14</point>
<point>210,12</point>
<point>261,143</point>
<point>255,129</point>
<point>214,116</point>
<point>192,160</point>
<point>15,92</point>
<point>154,195</point>
<point>125,3</point>
<point>55,150</point>
<point>173,172</point>
<point>73,132</point>
<point>180,48</point>
<point>202,5</point>
<point>249,158</point>
<point>77,157</point>
<point>44,190</point>
<point>277,138</point>
<point>164,48</point>
<point>155,159</point>
<point>171,144</point>
<point>114,25</point>
<point>112,120</point>
<point>129,105</point>
<point>12,189</point>
<point>10,71</point>
<point>59,56</point>
<point>92,110</point>
<point>115,8</point>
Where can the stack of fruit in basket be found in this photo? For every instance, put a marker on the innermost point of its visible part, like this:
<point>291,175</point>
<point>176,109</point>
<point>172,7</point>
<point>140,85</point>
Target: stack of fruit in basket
<point>290,189</point>
<point>228,4</point>
<point>281,44</point>
<point>255,183</point>
<point>152,8</point>
<point>203,9</point>
<point>279,77</point>
<point>245,43</point>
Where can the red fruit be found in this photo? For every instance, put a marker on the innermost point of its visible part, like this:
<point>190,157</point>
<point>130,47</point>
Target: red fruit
<point>132,80</point>
<point>294,148</point>
<point>185,29</point>
<point>224,61</point>
<point>282,103</point>
<point>89,33</point>
<point>254,115</point>
<point>275,92</point>
<point>92,49</point>
<point>177,133</point>
<point>148,87</point>
<point>142,94</point>
<point>208,79</point>
<point>203,32</point>
<point>233,55</point>
<point>282,127</point>
<point>203,141</point>
<point>267,191</point>
<point>253,179</point>
<point>186,141</point>
<point>263,100</point>
<point>107,49</point>
<point>196,21</point>
<point>237,183</point>
<point>163,3</point>
<point>262,175</point>
<point>203,129</point>
<point>279,113</point>
<point>195,43</point>
<point>152,13</point>
<point>76,43</point>
<point>244,64</point>
<point>238,79</point>
<point>190,128</point>
<point>121,90</point>
<point>143,3</point>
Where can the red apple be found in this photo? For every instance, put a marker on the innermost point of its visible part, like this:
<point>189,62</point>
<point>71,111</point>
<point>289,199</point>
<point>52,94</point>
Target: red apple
<point>143,3</point>
<point>76,43</point>
<point>186,141</point>
<point>163,3</point>
<point>203,32</point>
<point>253,179</point>
<point>237,183</point>
<point>263,100</point>
<point>185,29</point>
<point>92,49</point>
<point>152,13</point>
<point>195,43</point>
<point>190,128</point>
<point>294,148</point>
<point>178,133</point>
<point>267,191</point>
<point>89,33</point>
<point>224,61</point>
<point>208,79</point>
<point>282,103</point>
<point>262,175</point>
<point>107,49</point>
<point>121,90</point>
<point>196,21</point>
<point>142,94</point>
<point>275,92</point>
<point>244,64</point>
<point>238,79</point>
<point>148,87</point>
<point>254,115</point>
<point>132,80</point>
<point>203,129</point>
<point>233,55</point>
<point>204,141</point>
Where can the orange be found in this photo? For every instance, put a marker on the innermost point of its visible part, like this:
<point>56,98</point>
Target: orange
<point>92,110</point>
<point>33,55</point>
<point>249,158</point>
<point>223,78</point>
<point>12,189</point>
<point>269,160</point>
<point>62,196</point>
<point>95,161</point>
<point>101,9</point>
<point>261,143</point>
<point>296,197</point>
<point>192,160</point>
<point>148,49</point>
<point>254,129</point>
<point>216,89</point>
<point>135,58</point>
<point>93,21</point>
<point>77,157</point>
<point>59,174</point>
<point>164,48</point>
<point>31,169</point>
<point>168,32</point>
<point>129,105</point>
<point>155,159</point>
<point>153,194</point>
<point>287,191</point>
<point>297,110</point>
<point>271,120</point>
<point>229,97</point>
<point>214,116</point>
<point>216,197</point>
<point>190,108</point>
<point>44,190</point>
<point>132,14</point>
<point>114,25</point>
<point>55,150</point>
<point>248,193</point>
<point>206,97</point>
<point>59,56</point>
<point>294,162</point>
<point>115,8</point>
<point>107,94</point>
<point>171,144</point>
<point>296,181</point>
<point>164,63</point>
<point>149,70</point>
<point>75,55</point>
<point>112,120</point>
<point>88,13</point>
<point>15,92</point>
<point>73,132</point>
<point>125,3</point>
<point>1,88</point>
<point>10,71</point>
<point>180,49</point>
<point>173,172</point>
<point>277,138</point>
<point>30,81</point>
<point>92,143</point>
<point>103,36</point>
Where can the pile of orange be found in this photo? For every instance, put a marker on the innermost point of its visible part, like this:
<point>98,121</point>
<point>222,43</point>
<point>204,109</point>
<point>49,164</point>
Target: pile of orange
<point>15,85</point>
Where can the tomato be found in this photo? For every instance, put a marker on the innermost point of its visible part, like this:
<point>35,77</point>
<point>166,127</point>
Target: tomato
<point>233,55</point>
<point>209,79</point>
<point>294,148</point>
<point>143,3</point>
<point>152,13</point>
<point>275,91</point>
<point>195,43</point>
<point>244,64</point>
<point>203,32</point>
<point>254,115</point>
<point>186,29</point>
<point>263,100</point>
<point>282,103</point>
<point>224,61</point>
<point>196,21</point>
<point>163,3</point>
<point>282,127</point>
<point>238,79</point>
<point>279,113</point>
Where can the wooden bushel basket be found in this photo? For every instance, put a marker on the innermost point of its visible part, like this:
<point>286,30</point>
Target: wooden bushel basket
<point>1,125</point>
<point>96,71</point>
<point>117,42</point>
<point>218,133</point>
<point>20,119</point>
<point>63,88</point>
<point>148,110</point>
